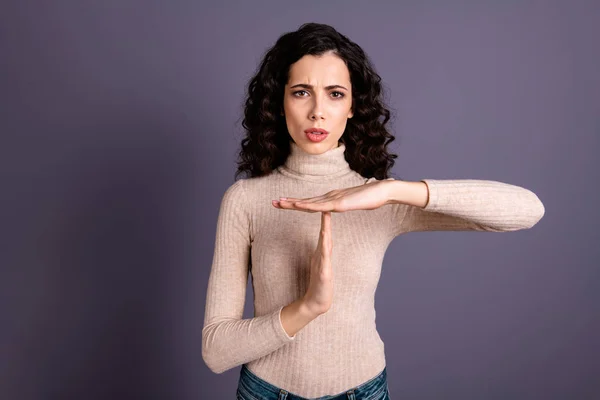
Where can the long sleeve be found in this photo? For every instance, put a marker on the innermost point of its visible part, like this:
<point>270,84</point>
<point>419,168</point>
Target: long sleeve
<point>227,339</point>
<point>469,204</point>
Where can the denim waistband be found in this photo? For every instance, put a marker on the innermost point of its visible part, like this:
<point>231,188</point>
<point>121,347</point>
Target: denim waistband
<point>251,386</point>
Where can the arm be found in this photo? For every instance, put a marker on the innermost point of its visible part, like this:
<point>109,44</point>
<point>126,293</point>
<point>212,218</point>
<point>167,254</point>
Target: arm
<point>227,339</point>
<point>462,204</point>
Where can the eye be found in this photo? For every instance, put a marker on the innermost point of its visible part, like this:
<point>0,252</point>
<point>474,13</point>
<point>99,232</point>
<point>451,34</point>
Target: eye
<point>341,95</point>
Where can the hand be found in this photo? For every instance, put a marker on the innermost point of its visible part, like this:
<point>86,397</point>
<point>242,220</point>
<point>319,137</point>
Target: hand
<point>364,197</point>
<point>319,295</point>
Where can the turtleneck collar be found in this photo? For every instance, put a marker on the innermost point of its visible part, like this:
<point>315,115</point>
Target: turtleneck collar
<point>315,167</point>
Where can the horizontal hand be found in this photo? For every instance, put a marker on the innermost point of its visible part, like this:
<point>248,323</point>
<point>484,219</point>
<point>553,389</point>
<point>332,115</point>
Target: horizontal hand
<point>364,197</point>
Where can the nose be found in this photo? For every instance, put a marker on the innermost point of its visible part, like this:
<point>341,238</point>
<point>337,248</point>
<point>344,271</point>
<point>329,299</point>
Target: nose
<point>317,111</point>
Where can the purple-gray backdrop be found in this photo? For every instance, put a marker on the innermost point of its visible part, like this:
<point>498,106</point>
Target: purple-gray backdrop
<point>120,122</point>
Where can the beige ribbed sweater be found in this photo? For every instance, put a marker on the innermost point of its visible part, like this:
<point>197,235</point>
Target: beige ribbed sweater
<point>341,348</point>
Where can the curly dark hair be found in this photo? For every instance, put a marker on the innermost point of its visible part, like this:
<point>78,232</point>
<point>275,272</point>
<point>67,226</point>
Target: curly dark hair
<point>267,142</point>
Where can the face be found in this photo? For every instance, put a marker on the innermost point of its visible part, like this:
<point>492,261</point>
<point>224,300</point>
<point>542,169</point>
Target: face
<point>318,94</point>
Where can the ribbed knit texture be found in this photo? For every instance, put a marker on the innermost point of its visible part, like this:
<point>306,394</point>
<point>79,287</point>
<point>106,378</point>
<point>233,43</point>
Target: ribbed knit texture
<point>340,349</point>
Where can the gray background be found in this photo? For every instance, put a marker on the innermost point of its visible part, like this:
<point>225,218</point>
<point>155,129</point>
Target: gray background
<point>120,124</point>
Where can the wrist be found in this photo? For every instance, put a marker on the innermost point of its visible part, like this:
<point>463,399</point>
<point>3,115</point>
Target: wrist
<point>307,310</point>
<point>406,192</point>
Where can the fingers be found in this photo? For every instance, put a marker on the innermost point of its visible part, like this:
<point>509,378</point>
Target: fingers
<point>305,200</point>
<point>325,236</point>
<point>283,201</point>
<point>326,222</point>
<point>306,206</point>
<point>291,205</point>
<point>315,207</point>
<point>287,204</point>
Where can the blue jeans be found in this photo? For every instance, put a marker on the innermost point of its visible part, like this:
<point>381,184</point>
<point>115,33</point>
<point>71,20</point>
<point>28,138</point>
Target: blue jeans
<point>251,387</point>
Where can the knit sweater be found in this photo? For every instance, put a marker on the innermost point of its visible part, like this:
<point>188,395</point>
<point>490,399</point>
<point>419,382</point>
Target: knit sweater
<point>340,349</point>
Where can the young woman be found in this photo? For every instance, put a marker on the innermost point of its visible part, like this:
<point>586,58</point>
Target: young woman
<point>316,136</point>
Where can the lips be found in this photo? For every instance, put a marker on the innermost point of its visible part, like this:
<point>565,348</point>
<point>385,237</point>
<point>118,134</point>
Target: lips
<point>316,135</point>
<point>316,130</point>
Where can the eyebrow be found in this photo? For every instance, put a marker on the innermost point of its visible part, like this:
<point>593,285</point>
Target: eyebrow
<point>304,85</point>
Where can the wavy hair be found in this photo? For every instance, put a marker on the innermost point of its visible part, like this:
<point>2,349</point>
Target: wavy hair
<point>267,142</point>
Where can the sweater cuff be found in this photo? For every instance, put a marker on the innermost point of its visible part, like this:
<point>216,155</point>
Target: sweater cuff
<point>433,203</point>
<point>278,327</point>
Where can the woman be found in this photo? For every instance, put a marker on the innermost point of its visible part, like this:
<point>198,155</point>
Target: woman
<point>316,134</point>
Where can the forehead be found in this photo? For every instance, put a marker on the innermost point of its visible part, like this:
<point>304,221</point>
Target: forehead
<point>324,70</point>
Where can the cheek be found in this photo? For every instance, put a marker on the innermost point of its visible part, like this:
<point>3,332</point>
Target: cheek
<point>341,111</point>
<point>294,111</point>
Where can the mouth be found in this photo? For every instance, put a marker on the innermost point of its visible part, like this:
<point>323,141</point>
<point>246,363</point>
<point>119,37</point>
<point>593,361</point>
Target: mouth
<point>316,134</point>
<point>316,131</point>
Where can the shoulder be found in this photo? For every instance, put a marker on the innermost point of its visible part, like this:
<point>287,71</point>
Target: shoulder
<point>236,188</point>
<point>255,186</point>
<point>245,191</point>
<point>234,198</point>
